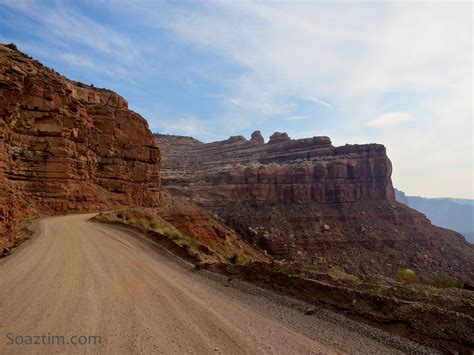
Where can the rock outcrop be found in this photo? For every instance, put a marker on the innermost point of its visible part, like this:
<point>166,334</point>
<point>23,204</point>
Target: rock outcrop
<point>66,146</point>
<point>306,199</point>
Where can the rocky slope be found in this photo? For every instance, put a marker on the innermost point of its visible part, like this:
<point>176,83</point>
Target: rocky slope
<point>308,200</point>
<point>66,146</point>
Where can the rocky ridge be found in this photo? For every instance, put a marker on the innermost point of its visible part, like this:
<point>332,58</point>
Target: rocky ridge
<point>307,200</point>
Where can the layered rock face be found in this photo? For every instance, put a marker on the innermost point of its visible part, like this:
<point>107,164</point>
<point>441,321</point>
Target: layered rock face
<point>306,199</point>
<point>66,146</point>
<point>283,171</point>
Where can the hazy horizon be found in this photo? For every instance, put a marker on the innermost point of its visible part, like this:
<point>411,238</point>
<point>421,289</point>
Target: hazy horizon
<point>398,74</point>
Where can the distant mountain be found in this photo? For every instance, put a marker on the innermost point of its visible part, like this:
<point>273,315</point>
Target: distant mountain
<point>461,201</point>
<point>452,213</point>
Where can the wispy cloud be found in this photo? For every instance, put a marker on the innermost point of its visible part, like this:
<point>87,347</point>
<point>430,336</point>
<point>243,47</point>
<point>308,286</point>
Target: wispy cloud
<point>261,104</point>
<point>296,118</point>
<point>187,125</point>
<point>64,23</point>
<point>319,101</point>
<point>390,119</point>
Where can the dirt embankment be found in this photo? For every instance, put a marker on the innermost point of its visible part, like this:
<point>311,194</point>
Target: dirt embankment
<point>187,231</point>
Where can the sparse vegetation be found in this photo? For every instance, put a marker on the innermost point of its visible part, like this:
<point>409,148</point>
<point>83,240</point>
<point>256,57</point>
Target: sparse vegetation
<point>403,293</point>
<point>12,46</point>
<point>234,258</point>
<point>406,276</point>
<point>313,266</point>
<point>153,224</point>
<point>346,278</point>
<point>212,241</point>
<point>444,281</point>
<point>375,290</point>
<point>289,270</point>
<point>140,222</point>
<point>174,234</point>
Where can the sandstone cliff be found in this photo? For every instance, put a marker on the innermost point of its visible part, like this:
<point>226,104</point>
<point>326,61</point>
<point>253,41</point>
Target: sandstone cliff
<point>66,146</point>
<point>283,171</point>
<point>308,200</point>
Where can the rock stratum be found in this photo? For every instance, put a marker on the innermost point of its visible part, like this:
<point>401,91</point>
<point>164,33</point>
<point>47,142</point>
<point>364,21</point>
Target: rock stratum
<point>308,200</point>
<point>68,147</point>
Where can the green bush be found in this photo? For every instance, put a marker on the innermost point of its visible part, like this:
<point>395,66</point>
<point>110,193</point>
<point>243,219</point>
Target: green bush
<point>313,266</point>
<point>234,258</point>
<point>153,224</point>
<point>173,234</point>
<point>103,217</point>
<point>12,46</point>
<point>444,281</point>
<point>406,276</point>
<point>142,223</point>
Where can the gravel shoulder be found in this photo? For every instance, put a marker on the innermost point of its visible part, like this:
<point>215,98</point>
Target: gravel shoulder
<point>81,278</point>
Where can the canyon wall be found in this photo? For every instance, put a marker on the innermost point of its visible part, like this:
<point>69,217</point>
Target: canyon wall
<point>307,200</point>
<point>67,147</point>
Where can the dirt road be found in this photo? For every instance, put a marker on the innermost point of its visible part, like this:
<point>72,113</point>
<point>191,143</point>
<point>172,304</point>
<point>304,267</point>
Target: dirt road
<point>78,280</point>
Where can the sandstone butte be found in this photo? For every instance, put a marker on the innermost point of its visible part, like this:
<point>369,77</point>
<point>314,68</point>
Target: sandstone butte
<point>308,200</point>
<point>67,147</point>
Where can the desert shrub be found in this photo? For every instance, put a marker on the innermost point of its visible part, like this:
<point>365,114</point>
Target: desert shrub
<point>12,46</point>
<point>375,290</point>
<point>142,223</point>
<point>289,270</point>
<point>153,224</point>
<point>103,217</point>
<point>313,266</point>
<point>173,234</point>
<point>444,281</point>
<point>406,276</point>
<point>234,258</point>
<point>403,293</point>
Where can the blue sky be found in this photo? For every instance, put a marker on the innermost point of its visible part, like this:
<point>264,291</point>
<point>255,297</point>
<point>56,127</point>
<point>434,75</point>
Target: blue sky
<point>395,73</point>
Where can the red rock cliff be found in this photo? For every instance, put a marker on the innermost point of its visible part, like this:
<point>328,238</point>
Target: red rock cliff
<point>308,199</point>
<point>66,146</point>
<point>286,171</point>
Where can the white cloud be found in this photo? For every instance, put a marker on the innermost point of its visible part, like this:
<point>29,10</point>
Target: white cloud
<point>186,125</point>
<point>63,25</point>
<point>319,101</point>
<point>390,119</point>
<point>296,118</point>
<point>236,101</point>
<point>260,104</point>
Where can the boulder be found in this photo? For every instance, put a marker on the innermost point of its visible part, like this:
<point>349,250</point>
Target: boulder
<point>257,137</point>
